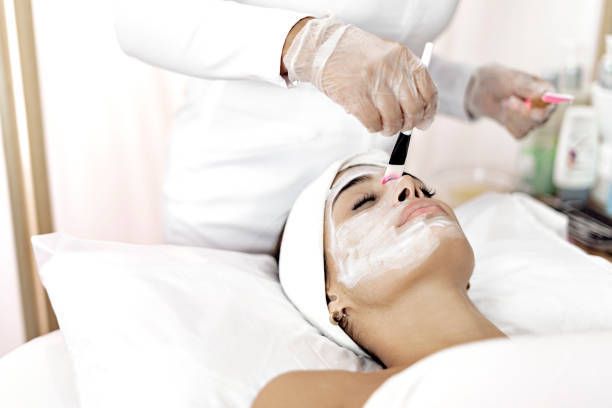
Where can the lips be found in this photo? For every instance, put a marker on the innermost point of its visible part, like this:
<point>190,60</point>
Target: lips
<point>419,208</point>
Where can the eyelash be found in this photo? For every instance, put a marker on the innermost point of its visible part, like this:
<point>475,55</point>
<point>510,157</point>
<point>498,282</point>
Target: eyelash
<point>364,199</point>
<point>427,192</point>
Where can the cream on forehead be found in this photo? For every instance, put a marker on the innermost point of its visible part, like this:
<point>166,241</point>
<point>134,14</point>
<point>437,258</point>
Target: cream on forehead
<point>350,174</point>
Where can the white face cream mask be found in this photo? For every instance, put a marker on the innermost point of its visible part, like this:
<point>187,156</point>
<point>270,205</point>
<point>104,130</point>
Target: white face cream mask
<point>369,244</point>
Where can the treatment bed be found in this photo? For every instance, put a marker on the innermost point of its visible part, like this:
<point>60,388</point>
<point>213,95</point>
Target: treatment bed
<point>160,325</point>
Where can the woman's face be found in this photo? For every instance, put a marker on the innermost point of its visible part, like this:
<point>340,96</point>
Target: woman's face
<point>380,239</point>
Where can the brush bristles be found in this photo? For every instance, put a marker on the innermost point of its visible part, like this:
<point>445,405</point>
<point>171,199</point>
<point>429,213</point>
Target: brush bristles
<point>392,172</point>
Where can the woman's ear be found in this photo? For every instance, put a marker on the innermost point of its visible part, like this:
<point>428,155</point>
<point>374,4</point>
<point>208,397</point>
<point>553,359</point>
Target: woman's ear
<point>336,310</point>
<point>337,299</point>
<point>339,305</point>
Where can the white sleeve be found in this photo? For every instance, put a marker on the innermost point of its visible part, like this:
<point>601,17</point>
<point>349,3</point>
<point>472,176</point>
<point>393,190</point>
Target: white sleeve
<point>214,39</point>
<point>452,80</point>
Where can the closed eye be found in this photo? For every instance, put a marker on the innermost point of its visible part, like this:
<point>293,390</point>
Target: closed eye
<point>427,192</point>
<point>364,199</point>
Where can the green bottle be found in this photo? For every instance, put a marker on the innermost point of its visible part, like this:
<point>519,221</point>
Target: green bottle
<point>537,156</point>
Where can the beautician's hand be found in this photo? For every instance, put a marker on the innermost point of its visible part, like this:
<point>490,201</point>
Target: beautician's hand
<point>380,82</point>
<point>499,93</point>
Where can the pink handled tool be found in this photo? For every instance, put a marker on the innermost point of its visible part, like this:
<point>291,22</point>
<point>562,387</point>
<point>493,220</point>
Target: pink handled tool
<point>549,98</point>
<point>557,98</point>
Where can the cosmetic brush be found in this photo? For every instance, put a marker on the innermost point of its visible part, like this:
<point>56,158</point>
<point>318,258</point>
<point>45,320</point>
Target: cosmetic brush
<point>395,168</point>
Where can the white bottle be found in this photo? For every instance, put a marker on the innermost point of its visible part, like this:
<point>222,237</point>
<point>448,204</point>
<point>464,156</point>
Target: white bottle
<point>576,159</point>
<point>602,93</point>
<point>602,102</point>
<point>604,75</point>
<point>602,192</point>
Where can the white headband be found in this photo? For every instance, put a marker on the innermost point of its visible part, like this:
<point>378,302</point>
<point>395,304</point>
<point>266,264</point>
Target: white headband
<point>301,262</point>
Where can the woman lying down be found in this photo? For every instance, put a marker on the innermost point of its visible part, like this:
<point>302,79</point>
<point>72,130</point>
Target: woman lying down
<point>380,269</point>
<point>385,274</point>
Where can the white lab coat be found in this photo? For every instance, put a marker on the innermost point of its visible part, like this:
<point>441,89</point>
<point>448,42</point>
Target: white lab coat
<point>244,145</point>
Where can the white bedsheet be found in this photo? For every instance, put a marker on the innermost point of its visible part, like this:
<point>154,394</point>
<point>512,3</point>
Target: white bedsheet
<point>528,279</point>
<point>554,371</point>
<point>38,374</point>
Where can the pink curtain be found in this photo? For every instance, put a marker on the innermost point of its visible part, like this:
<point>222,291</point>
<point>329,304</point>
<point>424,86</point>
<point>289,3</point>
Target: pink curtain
<point>107,118</point>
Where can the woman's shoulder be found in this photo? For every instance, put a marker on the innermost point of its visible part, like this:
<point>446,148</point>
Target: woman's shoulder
<point>325,388</point>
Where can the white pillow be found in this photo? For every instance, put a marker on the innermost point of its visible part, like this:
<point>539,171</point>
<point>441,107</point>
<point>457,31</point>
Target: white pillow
<point>528,279</point>
<point>170,326</point>
<point>180,326</point>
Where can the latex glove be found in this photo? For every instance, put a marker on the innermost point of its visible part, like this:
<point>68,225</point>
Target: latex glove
<point>380,82</point>
<point>500,93</point>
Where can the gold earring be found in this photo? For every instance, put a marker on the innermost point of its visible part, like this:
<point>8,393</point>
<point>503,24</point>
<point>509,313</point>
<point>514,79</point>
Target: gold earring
<point>335,318</point>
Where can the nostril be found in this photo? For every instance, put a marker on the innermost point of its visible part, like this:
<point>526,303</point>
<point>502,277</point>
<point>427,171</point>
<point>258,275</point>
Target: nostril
<point>402,195</point>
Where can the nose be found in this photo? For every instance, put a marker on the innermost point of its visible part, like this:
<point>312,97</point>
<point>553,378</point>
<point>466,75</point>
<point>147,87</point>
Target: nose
<point>405,188</point>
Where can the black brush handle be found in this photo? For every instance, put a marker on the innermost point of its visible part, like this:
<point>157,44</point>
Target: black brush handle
<point>400,150</point>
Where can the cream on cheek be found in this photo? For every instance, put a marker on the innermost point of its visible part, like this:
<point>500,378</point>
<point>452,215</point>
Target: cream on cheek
<point>370,246</point>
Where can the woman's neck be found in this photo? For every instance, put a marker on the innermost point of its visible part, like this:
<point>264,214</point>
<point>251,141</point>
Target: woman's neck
<point>431,318</point>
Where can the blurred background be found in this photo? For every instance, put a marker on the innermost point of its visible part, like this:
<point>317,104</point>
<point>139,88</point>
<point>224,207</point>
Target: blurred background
<point>102,121</point>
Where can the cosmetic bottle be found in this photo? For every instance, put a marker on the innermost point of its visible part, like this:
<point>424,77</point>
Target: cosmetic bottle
<point>602,93</point>
<point>577,154</point>
<point>602,192</point>
<point>604,75</point>
<point>602,102</point>
<point>536,157</point>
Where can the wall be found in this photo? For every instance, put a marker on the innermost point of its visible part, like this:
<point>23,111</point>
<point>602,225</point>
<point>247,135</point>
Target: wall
<point>106,119</point>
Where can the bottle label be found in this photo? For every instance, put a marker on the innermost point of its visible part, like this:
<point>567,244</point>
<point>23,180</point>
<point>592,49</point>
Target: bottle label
<point>580,162</point>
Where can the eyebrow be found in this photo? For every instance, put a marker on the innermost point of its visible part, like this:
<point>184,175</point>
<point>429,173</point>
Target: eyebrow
<point>352,183</point>
<point>413,176</point>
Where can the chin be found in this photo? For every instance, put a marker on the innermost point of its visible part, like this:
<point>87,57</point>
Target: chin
<point>452,261</point>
